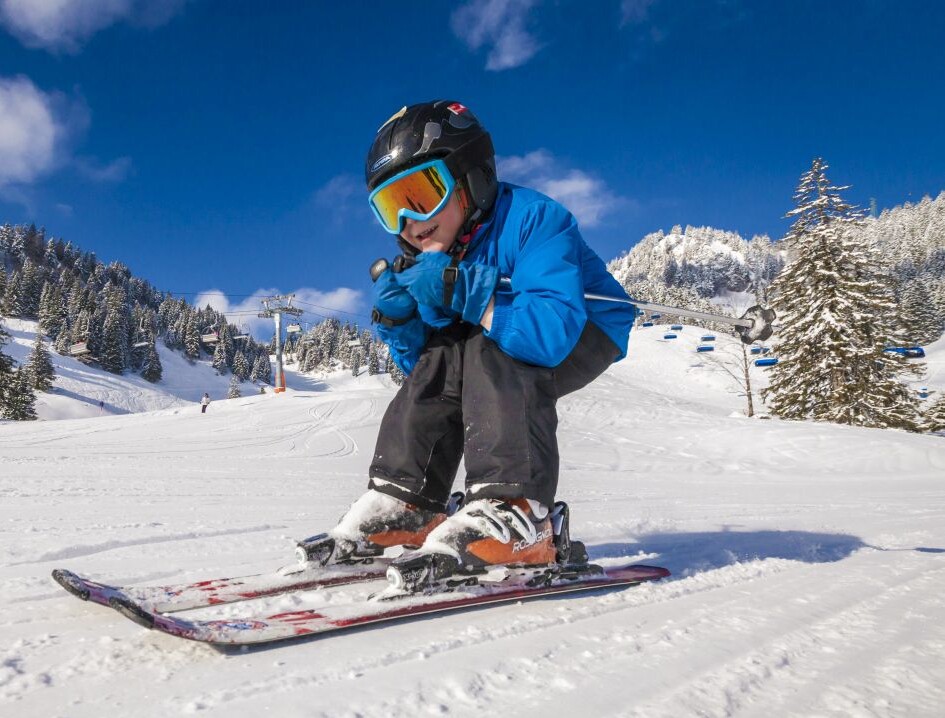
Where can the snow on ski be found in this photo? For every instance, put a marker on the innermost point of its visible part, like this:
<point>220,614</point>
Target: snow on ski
<point>212,592</point>
<point>299,624</point>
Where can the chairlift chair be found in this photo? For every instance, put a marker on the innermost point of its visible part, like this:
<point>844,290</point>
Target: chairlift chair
<point>210,337</point>
<point>79,349</point>
<point>293,328</point>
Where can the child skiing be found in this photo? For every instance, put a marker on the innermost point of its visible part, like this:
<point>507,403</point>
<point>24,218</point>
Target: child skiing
<point>489,321</point>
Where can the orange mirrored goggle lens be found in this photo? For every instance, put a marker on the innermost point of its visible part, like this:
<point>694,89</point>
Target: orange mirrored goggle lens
<point>422,192</point>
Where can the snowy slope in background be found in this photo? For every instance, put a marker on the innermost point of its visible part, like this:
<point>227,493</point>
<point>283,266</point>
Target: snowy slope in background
<point>79,387</point>
<point>808,559</point>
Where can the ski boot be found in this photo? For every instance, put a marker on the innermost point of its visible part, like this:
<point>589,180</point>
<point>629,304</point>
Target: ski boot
<point>489,540</point>
<point>374,523</point>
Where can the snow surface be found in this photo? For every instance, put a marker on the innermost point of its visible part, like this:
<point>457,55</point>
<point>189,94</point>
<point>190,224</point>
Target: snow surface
<point>808,560</point>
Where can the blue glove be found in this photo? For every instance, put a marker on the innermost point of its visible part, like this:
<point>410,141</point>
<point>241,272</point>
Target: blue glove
<point>391,300</point>
<point>474,286</point>
<point>405,342</point>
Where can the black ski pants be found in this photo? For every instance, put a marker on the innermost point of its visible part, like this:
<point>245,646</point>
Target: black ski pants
<point>466,397</point>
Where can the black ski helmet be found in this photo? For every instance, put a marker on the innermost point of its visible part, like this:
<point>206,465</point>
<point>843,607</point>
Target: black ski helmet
<point>439,129</point>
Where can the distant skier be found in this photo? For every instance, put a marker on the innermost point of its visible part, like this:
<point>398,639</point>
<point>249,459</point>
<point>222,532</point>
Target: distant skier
<point>204,403</point>
<point>101,407</point>
<point>486,361</point>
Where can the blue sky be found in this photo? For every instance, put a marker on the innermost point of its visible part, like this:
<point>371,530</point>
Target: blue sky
<point>219,146</point>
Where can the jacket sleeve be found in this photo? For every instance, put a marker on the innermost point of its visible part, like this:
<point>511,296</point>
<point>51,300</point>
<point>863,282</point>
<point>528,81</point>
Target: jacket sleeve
<point>405,342</point>
<point>540,318</point>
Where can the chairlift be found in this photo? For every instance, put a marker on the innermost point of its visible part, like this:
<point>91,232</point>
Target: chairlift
<point>908,352</point>
<point>79,349</point>
<point>293,328</point>
<point>354,343</point>
<point>676,327</point>
<point>210,337</point>
<point>139,345</point>
<point>767,361</point>
<point>707,338</point>
<point>705,348</point>
<point>669,336</point>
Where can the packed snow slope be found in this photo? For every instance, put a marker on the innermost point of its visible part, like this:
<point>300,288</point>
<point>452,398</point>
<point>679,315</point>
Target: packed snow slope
<point>808,560</point>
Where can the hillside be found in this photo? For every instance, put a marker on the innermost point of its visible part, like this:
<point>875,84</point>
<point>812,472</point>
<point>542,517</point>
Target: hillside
<point>807,559</point>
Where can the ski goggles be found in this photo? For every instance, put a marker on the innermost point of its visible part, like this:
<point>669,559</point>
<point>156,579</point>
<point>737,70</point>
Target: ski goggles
<point>416,193</point>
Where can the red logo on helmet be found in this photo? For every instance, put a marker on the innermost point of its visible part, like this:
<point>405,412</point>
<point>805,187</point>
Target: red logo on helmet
<point>457,109</point>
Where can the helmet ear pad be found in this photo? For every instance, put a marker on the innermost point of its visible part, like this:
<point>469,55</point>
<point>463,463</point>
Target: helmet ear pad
<point>482,186</point>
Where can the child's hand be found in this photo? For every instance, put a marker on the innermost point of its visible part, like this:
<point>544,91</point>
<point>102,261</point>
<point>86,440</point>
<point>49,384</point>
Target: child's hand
<point>424,280</point>
<point>471,292</point>
<point>392,300</point>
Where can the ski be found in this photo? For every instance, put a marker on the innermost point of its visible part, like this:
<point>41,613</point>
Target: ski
<point>385,607</point>
<point>213,592</point>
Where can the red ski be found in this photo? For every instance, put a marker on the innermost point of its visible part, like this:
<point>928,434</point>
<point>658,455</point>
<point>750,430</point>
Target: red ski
<point>300,624</point>
<point>184,596</point>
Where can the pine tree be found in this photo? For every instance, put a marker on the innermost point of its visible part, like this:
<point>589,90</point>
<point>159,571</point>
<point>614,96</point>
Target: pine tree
<point>241,368</point>
<point>934,419</point>
<point>39,366</point>
<point>836,314</point>
<point>356,362</point>
<point>7,373</point>
<point>191,337</point>
<point>234,391</point>
<point>114,355</point>
<point>219,358</point>
<point>11,294</point>
<point>20,401</point>
<point>262,369</point>
<point>373,365</point>
<point>153,371</point>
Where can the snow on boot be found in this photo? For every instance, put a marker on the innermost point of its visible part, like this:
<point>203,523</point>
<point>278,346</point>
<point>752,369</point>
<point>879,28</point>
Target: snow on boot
<point>375,522</point>
<point>484,533</point>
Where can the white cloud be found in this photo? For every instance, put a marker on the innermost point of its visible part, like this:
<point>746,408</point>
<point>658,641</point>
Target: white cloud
<point>341,302</point>
<point>63,25</point>
<point>588,198</point>
<point>38,131</point>
<point>31,132</point>
<point>500,25</point>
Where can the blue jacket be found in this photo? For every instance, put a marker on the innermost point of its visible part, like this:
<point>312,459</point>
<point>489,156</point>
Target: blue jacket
<point>539,317</point>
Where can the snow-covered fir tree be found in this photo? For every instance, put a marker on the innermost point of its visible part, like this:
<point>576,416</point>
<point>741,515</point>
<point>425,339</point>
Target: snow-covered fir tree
<point>262,369</point>
<point>373,363</point>
<point>19,401</point>
<point>219,358</point>
<point>152,371</point>
<point>7,372</point>
<point>234,390</point>
<point>39,366</point>
<point>241,368</point>
<point>356,362</point>
<point>934,418</point>
<point>836,313</point>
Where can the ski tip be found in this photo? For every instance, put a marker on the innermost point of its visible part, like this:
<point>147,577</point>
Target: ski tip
<point>131,610</point>
<point>72,583</point>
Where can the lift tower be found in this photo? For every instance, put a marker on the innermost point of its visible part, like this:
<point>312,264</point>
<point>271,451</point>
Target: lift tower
<point>274,308</point>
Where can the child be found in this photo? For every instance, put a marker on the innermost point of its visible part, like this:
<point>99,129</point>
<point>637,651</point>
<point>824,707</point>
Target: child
<point>485,359</point>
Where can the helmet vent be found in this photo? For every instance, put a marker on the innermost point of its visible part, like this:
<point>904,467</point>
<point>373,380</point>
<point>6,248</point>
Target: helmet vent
<point>431,133</point>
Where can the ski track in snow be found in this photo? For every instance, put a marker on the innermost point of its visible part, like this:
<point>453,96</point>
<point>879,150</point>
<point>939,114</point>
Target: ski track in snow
<point>808,560</point>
